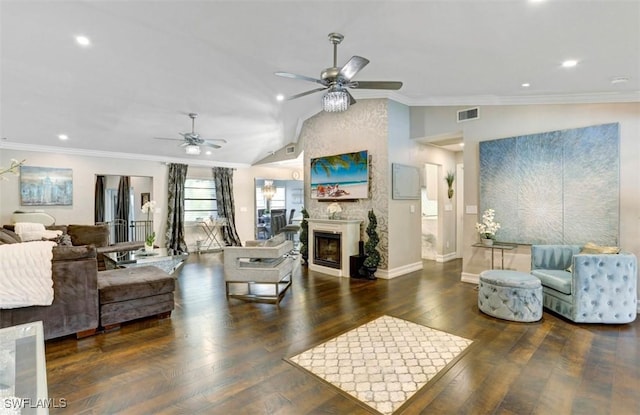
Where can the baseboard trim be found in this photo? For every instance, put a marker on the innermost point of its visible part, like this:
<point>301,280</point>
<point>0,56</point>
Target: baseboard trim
<point>470,278</point>
<point>386,274</point>
<point>447,257</point>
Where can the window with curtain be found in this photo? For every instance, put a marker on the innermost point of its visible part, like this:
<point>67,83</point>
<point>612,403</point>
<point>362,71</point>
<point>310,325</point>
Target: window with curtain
<point>199,199</point>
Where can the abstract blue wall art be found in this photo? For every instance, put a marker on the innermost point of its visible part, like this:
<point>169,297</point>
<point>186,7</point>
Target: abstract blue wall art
<point>46,186</point>
<point>558,187</point>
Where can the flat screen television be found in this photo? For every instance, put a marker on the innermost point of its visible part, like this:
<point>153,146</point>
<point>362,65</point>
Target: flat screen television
<point>340,177</point>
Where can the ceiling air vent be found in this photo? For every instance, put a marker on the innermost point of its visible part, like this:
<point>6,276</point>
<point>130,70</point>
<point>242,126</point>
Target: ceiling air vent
<point>468,114</point>
<point>290,149</point>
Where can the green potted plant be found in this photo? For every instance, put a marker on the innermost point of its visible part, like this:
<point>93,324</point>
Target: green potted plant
<point>372,259</point>
<point>449,178</point>
<point>304,235</point>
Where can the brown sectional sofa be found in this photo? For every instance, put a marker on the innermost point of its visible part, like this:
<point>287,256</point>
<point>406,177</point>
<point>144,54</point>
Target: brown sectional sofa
<point>81,293</point>
<point>75,300</point>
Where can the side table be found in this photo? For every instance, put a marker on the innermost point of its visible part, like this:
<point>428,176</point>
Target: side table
<point>500,247</point>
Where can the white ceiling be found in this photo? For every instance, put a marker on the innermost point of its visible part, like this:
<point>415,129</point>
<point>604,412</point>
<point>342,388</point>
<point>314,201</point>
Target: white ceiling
<point>152,62</point>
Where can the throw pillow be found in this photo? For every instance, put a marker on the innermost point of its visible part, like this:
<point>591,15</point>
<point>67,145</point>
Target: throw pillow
<point>8,237</point>
<point>591,248</point>
<point>60,240</point>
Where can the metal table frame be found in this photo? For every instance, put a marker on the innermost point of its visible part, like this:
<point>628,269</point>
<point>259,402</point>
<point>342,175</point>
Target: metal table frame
<point>501,247</point>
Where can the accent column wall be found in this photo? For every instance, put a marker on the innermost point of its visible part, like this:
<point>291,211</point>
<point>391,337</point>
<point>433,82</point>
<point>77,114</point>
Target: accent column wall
<point>381,127</point>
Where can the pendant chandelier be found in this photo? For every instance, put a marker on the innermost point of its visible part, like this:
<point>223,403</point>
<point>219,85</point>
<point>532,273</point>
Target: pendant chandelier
<point>268,189</point>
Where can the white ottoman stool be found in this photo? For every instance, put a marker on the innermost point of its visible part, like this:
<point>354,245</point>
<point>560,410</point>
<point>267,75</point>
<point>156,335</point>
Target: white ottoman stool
<point>510,295</point>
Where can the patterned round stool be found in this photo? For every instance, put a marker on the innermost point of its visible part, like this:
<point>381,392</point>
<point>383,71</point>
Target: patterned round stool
<point>510,295</point>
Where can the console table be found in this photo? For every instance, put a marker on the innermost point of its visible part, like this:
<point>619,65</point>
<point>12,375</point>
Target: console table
<point>500,247</point>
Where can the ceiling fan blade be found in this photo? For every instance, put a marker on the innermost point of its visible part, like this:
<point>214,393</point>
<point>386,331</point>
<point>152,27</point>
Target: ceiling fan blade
<point>304,93</point>
<point>171,139</point>
<point>301,77</point>
<point>210,144</point>
<point>222,140</point>
<point>351,68</point>
<point>392,85</point>
<point>352,100</point>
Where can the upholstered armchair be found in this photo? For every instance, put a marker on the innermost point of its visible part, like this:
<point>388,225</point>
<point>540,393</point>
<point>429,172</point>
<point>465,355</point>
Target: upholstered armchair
<point>587,287</point>
<point>260,263</point>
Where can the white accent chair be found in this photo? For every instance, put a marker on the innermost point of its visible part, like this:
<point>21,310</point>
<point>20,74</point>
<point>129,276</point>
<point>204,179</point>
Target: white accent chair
<point>262,269</point>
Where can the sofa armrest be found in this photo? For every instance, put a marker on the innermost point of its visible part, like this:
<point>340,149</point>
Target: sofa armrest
<point>606,284</point>
<point>75,299</point>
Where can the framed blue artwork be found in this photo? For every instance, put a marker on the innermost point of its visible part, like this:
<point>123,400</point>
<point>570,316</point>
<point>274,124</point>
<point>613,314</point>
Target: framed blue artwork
<point>46,186</point>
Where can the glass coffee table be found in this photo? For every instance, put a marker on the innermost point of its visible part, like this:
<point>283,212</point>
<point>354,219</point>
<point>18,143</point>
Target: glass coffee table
<point>160,257</point>
<point>23,371</point>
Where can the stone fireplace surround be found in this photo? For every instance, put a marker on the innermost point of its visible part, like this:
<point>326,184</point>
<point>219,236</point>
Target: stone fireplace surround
<point>349,230</point>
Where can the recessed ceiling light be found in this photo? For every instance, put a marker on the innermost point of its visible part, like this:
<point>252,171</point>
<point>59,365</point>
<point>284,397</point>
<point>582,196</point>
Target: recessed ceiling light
<point>619,80</point>
<point>569,63</point>
<point>63,136</point>
<point>280,97</point>
<point>525,85</point>
<point>83,40</point>
<point>208,153</point>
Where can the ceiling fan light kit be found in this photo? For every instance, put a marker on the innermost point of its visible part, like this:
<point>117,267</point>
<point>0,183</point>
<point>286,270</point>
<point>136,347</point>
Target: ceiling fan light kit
<point>335,101</point>
<point>336,80</point>
<point>192,141</point>
<point>192,149</point>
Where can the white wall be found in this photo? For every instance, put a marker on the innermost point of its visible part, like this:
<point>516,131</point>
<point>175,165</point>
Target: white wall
<point>507,121</point>
<point>405,244</point>
<point>85,169</point>
<point>446,161</point>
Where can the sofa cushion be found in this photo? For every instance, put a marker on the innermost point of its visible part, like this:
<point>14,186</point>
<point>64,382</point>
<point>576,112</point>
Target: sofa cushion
<point>8,237</point>
<point>132,283</point>
<point>73,253</point>
<point>559,280</point>
<point>97,235</point>
<point>553,256</point>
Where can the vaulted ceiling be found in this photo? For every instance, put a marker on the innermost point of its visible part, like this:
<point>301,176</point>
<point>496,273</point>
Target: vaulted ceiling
<point>150,63</point>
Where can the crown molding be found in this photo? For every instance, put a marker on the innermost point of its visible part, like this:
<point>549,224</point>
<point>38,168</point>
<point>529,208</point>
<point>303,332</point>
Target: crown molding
<point>591,98</point>
<point>117,155</point>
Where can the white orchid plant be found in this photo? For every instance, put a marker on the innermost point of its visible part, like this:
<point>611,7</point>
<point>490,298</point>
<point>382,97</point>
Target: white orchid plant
<point>148,208</point>
<point>13,168</point>
<point>488,228</point>
<point>333,209</point>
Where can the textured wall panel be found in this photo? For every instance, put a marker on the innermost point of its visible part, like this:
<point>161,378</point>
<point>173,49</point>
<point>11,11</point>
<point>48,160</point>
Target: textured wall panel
<point>553,187</point>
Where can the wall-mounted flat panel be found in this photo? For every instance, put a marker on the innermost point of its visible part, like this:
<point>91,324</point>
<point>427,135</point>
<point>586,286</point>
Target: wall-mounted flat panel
<point>554,187</point>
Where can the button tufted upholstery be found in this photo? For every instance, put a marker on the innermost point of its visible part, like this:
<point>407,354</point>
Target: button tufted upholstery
<point>510,295</point>
<point>597,288</point>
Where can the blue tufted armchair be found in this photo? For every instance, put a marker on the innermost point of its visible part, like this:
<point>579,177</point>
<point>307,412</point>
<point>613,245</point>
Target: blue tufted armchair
<point>587,288</point>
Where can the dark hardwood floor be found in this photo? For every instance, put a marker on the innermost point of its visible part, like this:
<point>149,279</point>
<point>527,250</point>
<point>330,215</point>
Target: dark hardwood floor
<point>215,356</point>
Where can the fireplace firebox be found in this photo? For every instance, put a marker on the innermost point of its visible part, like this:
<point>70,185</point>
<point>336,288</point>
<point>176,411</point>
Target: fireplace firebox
<point>326,249</point>
<point>328,255</point>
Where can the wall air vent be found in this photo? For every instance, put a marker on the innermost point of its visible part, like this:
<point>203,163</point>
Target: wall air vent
<point>290,149</point>
<point>468,114</point>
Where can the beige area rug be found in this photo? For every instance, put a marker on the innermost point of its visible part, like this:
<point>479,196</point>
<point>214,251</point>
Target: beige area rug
<point>383,363</point>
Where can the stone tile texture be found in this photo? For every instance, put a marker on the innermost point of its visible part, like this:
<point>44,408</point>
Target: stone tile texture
<point>384,362</point>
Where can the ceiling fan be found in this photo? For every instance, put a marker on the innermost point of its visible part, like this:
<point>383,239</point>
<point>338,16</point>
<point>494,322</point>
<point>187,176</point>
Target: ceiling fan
<point>336,80</point>
<point>192,141</point>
